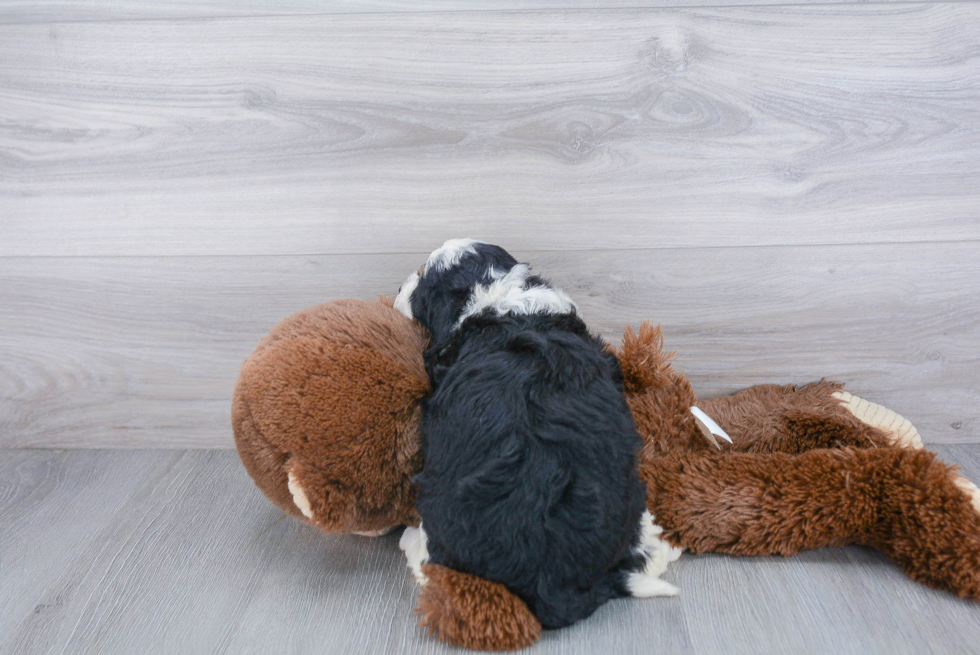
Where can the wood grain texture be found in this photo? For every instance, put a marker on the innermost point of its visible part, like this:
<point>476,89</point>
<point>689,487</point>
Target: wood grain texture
<point>47,11</point>
<point>55,508</point>
<point>145,351</point>
<point>163,552</point>
<point>380,133</point>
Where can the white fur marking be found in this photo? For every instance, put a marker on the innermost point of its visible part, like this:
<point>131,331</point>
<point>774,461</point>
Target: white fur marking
<point>414,543</point>
<point>507,294</point>
<point>403,302</point>
<point>658,554</point>
<point>641,585</point>
<point>299,496</point>
<point>448,254</point>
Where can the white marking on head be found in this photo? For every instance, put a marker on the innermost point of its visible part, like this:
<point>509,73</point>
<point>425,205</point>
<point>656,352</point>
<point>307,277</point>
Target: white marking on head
<point>414,543</point>
<point>449,254</point>
<point>507,294</point>
<point>403,301</point>
<point>658,554</point>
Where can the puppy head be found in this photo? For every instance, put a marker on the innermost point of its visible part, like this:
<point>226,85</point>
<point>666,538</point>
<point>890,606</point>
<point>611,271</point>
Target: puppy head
<point>437,294</point>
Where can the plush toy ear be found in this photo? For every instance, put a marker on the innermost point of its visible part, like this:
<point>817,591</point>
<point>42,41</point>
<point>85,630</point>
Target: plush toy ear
<point>472,612</point>
<point>645,363</point>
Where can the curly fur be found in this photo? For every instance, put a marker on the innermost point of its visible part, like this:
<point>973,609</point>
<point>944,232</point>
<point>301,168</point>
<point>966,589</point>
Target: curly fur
<point>530,476</point>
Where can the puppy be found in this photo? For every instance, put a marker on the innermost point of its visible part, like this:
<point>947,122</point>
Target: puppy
<point>530,454</point>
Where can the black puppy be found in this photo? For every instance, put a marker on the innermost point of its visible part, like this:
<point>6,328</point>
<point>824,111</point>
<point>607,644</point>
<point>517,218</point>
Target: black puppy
<point>530,474</point>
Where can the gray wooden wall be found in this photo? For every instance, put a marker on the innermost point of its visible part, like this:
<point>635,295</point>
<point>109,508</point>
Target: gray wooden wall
<point>792,190</point>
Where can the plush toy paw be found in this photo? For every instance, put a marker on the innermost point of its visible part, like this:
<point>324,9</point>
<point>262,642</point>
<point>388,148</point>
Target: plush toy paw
<point>472,612</point>
<point>971,490</point>
<point>900,430</point>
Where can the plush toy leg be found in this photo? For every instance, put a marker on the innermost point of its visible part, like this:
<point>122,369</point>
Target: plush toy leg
<point>905,502</point>
<point>899,430</point>
<point>755,504</point>
<point>929,523</point>
<point>772,418</point>
<point>472,612</point>
<point>463,609</point>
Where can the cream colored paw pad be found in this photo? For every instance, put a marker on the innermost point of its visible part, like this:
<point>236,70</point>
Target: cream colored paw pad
<point>901,430</point>
<point>299,496</point>
<point>376,533</point>
<point>971,490</point>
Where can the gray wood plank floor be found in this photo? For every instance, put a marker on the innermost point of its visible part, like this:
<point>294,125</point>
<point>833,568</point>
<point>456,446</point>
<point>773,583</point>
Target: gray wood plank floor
<point>141,551</point>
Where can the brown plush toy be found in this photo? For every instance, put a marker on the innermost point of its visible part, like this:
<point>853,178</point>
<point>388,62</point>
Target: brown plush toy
<point>326,421</point>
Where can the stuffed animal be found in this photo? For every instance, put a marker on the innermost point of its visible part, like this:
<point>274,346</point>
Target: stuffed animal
<point>326,421</point>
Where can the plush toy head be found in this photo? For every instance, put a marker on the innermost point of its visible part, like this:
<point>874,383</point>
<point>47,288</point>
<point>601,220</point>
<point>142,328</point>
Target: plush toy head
<point>329,401</point>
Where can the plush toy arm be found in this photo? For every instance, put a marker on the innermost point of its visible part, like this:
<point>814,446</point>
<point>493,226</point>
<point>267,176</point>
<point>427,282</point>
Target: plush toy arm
<point>766,418</point>
<point>905,502</point>
<point>769,418</point>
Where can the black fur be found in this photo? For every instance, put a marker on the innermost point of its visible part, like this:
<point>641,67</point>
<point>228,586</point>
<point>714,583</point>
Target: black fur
<point>530,475</point>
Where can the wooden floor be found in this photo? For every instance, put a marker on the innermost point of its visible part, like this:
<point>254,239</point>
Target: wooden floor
<point>175,551</point>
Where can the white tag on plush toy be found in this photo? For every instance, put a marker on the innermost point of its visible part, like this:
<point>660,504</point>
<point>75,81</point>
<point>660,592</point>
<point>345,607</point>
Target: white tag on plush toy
<point>709,428</point>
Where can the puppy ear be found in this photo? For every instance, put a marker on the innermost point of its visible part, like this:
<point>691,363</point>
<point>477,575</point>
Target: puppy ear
<point>440,356</point>
<point>472,612</point>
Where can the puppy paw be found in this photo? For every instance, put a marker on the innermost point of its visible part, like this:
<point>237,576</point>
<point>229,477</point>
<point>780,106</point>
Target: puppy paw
<point>900,430</point>
<point>658,554</point>
<point>299,496</point>
<point>414,544</point>
<point>641,585</point>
